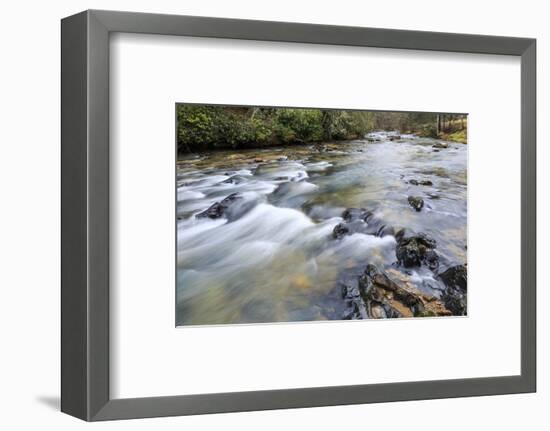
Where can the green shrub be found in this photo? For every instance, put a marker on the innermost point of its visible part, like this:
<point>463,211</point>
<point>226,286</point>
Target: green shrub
<point>205,127</point>
<point>298,125</point>
<point>429,131</point>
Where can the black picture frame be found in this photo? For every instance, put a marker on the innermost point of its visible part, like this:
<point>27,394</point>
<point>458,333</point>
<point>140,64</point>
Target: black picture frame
<point>85,214</point>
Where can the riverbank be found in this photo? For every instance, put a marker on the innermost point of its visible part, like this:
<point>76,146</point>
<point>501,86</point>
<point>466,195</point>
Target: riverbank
<point>459,136</point>
<point>210,127</point>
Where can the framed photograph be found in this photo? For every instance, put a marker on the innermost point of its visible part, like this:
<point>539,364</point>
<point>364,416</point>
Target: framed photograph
<point>264,215</point>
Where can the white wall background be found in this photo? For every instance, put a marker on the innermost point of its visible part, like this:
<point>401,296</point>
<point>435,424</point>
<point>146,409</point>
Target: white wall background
<point>29,216</point>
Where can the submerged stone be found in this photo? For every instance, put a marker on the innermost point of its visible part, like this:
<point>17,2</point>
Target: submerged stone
<point>231,207</point>
<point>339,231</point>
<point>235,179</point>
<point>416,202</point>
<point>352,214</point>
<point>420,182</point>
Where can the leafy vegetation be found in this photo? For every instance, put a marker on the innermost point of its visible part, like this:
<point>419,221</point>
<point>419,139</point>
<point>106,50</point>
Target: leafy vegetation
<point>206,127</point>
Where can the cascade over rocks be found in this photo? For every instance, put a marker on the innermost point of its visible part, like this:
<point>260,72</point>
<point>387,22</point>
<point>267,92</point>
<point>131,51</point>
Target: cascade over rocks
<point>361,220</point>
<point>231,207</point>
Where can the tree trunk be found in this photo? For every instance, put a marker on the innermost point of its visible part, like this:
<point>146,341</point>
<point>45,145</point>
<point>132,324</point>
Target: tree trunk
<point>254,111</point>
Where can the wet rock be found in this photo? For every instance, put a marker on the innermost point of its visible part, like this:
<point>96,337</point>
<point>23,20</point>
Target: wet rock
<point>416,202</point>
<point>191,183</point>
<point>361,220</point>
<point>385,230</point>
<point>374,226</point>
<point>235,179</point>
<point>355,307</point>
<point>380,291</point>
<point>232,207</point>
<point>440,145</point>
<point>415,250</point>
<point>403,233</point>
<point>351,313</point>
<point>340,230</point>
<point>455,296</point>
<point>352,214</point>
<point>324,148</point>
<point>456,302</point>
<point>377,312</point>
<point>396,296</point>
<point>421,182</point>
<point>456,277</point>
<point>431,259</point>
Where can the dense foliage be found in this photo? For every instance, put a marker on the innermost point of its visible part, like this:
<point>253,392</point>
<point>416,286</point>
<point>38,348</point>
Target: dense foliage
<point>206,127</point>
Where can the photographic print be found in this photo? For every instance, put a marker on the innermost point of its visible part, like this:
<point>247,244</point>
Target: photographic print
<point>303,214</point>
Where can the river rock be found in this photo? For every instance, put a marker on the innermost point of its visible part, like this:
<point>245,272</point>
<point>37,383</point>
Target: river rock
<point>339,231</point>
<point>415,250</point>
<point>456,277</point>
<point>355,307</point>
<point>232,207</point>
<point>385,230</point>
<point>352,214</point>
<point>353,222</point>
<point>235,179</point>
<point>416,202</point>
<point>440,145</point>
<point>420,182</point>
<point>380,291</point>
<point>456,302</point>
<point>361,220</point>
<point>455,296</point>
<point>403,233</point>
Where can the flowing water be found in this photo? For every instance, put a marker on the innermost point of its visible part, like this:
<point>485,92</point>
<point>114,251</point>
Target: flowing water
<point>275,258</point>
